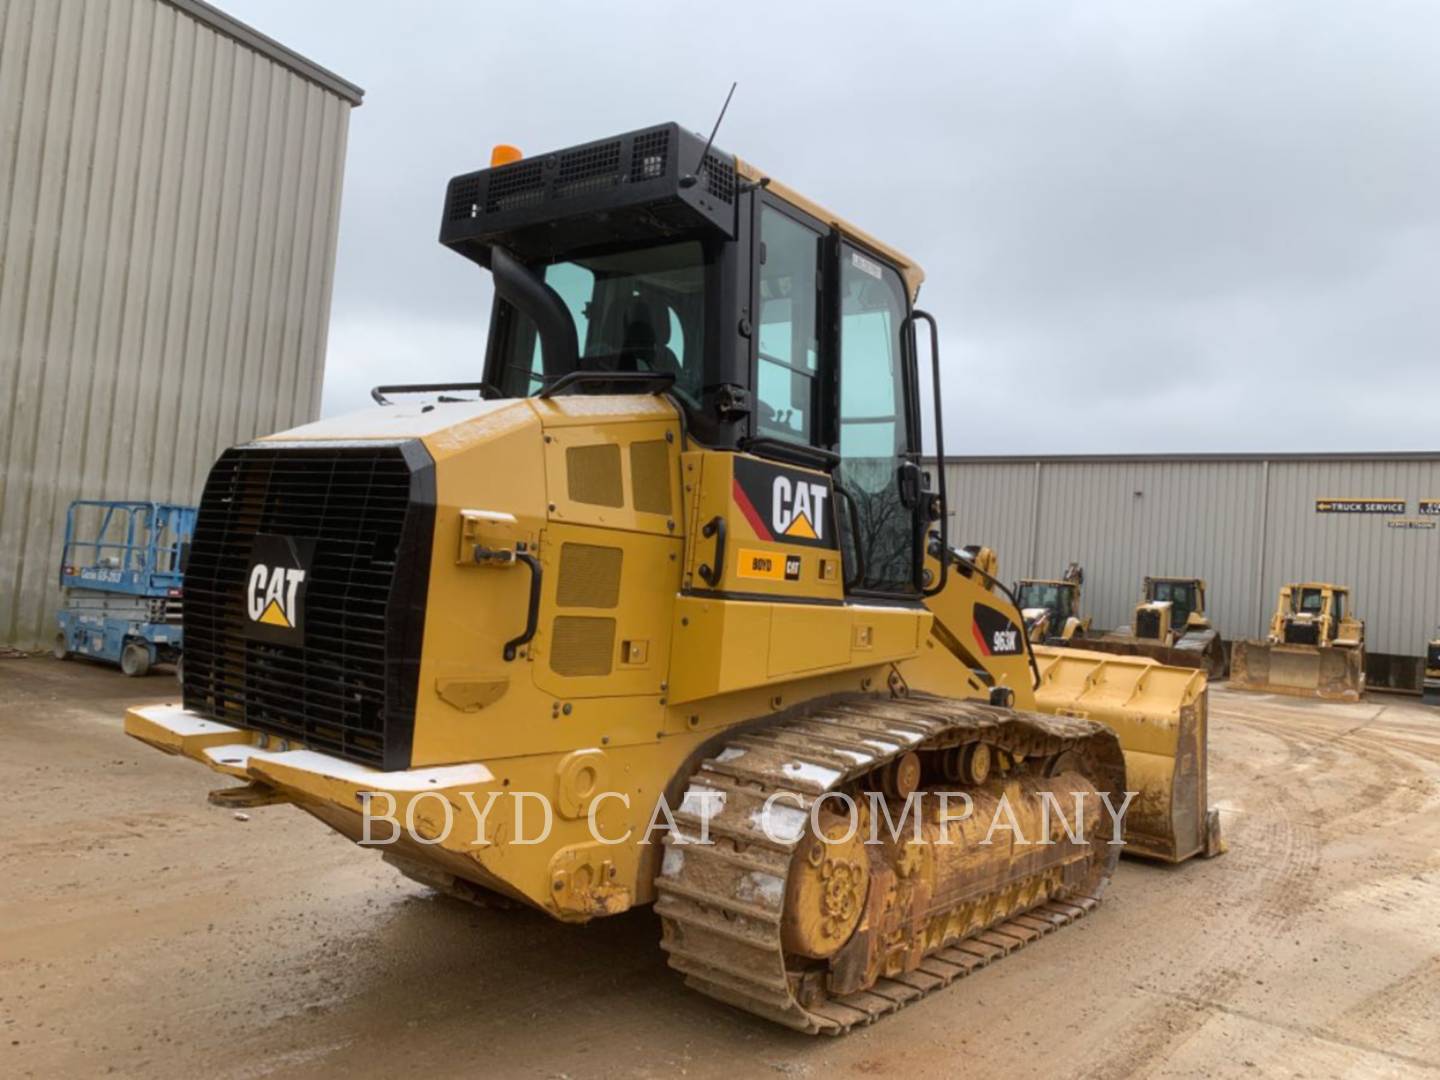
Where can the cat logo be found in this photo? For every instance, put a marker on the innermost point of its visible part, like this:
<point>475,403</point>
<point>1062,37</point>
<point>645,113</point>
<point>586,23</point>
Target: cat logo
<point>275,589</point>
<point>783,504</point>
<point>797,508</point>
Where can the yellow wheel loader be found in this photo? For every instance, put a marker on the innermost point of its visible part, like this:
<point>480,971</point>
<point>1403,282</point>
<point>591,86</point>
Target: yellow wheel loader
<point>1315,648</point>
<point>1051,607</point>
<point>665,613</point>
<point>1169,625</point>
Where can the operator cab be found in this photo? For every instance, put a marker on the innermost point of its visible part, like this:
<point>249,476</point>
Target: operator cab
<point>652,263</point>
<point>1051,596</point>
<point>1182,598</point>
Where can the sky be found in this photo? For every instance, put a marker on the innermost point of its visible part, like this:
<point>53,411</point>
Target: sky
<point>1189,226</point>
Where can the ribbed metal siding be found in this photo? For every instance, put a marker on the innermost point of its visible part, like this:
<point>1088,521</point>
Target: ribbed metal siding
<point>995,506</point>
<point>1211,519</point>
<point>169,203</point>
<point>1394,574</point>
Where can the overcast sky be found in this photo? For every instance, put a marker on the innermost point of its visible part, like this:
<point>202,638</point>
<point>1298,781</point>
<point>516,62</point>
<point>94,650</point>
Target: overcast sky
<point>1177,226</point>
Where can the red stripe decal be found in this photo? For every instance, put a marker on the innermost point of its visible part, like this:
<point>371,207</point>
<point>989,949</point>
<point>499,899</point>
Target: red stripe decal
<point>748,509</point>
<point>979,637</point>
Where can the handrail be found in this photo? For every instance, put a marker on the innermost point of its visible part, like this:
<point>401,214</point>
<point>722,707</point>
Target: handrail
<point>486,390</point>
<point>656,382</point>
<point>939,440</point>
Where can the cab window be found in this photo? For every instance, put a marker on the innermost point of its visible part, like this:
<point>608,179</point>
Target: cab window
<point>635,311</point>
<point>787,373</point>
<point>874,430</point>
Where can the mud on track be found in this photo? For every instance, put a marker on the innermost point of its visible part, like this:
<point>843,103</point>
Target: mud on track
<point>146,933</point>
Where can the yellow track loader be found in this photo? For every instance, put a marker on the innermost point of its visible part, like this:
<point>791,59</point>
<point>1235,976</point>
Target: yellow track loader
<point>1169,625</point>
<point>1315,648</point>
<point>1051,607</point>
<point>664,612</point>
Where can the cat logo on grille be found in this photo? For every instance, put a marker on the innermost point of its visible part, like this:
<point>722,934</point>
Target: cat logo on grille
<point>275,585</point>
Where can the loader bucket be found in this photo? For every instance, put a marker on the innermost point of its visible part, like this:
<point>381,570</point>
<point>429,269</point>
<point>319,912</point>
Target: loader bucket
<point>1160,714</point>
<point>1335,674</point>
<point>1204,652</point>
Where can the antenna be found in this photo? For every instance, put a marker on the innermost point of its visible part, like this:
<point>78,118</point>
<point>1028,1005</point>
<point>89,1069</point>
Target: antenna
<point>691,179</point>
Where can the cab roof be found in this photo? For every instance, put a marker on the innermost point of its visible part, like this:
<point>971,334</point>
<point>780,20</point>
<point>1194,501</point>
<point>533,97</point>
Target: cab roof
<point>909,269</point>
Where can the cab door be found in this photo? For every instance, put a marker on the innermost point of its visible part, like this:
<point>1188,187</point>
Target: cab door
<point>878,477</point>
<point>833,371</point>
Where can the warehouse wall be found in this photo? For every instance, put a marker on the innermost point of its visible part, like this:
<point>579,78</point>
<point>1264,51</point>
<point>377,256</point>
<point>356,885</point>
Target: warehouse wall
<point>169,199</point>
<point>1247,525</point>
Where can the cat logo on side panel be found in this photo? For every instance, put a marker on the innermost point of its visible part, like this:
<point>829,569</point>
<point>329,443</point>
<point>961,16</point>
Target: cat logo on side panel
<point>782,504</point>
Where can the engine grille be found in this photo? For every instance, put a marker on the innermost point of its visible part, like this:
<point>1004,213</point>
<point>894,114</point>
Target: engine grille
<point>1302,633</point>
<point>349,687</point>
<point>1147,624</point>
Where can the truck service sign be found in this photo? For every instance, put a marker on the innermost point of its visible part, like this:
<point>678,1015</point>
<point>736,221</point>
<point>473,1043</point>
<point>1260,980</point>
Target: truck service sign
<point>1360,506</point>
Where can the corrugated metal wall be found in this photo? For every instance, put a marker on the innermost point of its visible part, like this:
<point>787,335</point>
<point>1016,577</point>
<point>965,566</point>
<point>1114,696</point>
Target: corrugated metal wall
<point>1245,525</point>
<point>169,201</point>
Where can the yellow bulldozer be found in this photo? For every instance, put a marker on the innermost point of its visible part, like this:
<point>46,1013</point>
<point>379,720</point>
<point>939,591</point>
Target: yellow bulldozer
<point>661,611</point>
<point>1169,625</point>
<point>1315,647</point>
<point>1051,607</point>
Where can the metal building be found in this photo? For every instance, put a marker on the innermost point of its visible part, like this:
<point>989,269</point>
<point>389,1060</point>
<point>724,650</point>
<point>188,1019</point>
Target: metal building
<point>169,202</point>
<point>1246,523</point>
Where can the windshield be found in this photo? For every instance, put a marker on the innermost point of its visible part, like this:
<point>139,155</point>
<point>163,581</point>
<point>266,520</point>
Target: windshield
<point>1036,594</point>
<point>1181,595</point>
<point>635,311</point>
<point>1310,602</point>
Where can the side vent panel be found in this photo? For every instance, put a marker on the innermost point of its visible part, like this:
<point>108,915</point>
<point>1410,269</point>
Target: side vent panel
<point>650,476</point>
<point>589,576</point>
<point>582,645</point>
<point>592,475</point>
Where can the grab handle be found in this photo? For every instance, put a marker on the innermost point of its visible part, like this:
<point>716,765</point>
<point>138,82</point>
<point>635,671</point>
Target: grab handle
<point>714,527</point>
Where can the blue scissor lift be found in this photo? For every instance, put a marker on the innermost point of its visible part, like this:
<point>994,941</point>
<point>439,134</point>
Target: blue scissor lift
<point>122,580</point>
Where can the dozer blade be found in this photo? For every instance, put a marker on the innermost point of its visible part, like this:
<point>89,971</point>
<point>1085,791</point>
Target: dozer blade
<point>1335,674</point>
<point>1197,650</point>
<point>1160,713</point>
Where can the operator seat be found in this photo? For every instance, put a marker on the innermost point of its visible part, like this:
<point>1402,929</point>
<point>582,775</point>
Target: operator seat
<point>646,337</point>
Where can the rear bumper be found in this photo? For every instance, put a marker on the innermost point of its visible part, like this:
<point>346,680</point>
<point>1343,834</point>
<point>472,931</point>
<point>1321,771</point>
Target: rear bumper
<point>439,808</point>
<point>302,774</point>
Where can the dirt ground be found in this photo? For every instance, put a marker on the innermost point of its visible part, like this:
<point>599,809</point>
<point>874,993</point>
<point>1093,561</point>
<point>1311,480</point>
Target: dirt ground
<point>144,932</point>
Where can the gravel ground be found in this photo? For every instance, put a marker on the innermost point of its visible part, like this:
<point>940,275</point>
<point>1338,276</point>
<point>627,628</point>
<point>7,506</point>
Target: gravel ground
<point>144,932</point>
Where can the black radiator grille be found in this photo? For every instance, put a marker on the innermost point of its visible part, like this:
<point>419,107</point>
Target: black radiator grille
<point>349,687</point>
<point>1147,624</point>
<point>1307,633</point>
